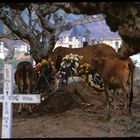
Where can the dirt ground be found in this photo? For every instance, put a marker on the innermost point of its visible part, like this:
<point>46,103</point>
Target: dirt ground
<point>62,116</point>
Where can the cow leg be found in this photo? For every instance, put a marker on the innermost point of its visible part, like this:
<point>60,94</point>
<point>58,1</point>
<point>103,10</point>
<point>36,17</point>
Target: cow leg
<point>20,88</point>
<point>24,104</point>
<point>124,92</point>
<point>130,91</point>
<point>115,99</point>
<point>20,108</point>
<point>28,107</point>
<point>29,91</point>
<point>107,99</point>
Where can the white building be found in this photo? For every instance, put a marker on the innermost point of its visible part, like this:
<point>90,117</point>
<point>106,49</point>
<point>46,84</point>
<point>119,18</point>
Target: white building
<point>77,42</point>
<point>73,42</point>
<point>93,33</point>
<point>18,48</point>
<point>3,50</point>
<point>21,48</point>
<point>115,43</point>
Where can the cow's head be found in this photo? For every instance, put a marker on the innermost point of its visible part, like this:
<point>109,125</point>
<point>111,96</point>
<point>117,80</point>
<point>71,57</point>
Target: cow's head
<point>125,51</point>
<point>97,63</point>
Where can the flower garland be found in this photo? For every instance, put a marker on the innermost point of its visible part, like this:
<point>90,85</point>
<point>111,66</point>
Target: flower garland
<point>84,70</point>
<point>92,80</point>
<point>45,76</point>
<point>69,66</point>
<point>39,65</point>
<point>69,59</point>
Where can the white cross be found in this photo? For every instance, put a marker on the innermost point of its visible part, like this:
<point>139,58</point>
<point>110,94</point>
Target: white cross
<point>8,98</point>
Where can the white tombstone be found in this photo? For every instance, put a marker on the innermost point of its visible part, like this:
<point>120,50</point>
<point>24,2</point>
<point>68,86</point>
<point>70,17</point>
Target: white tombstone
<point>8,98</point>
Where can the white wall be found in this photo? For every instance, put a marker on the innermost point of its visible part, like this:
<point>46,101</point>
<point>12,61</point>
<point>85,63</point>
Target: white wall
<point>136,58</point>
<point>75,42</point>
<point>3,50</point>
<point>112,43</point>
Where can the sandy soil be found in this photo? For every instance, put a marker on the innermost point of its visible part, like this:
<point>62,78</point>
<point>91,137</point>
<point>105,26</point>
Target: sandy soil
<point>62,115</point>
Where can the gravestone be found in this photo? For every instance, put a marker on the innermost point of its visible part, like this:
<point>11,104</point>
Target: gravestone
<point>7,98</point>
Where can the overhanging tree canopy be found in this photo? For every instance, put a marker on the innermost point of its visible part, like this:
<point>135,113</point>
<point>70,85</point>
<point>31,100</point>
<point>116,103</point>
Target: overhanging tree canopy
<point>121,17</point>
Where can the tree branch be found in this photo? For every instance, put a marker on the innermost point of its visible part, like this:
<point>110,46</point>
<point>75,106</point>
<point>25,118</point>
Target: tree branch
<point>11,50</point>
<point>3,37</point>
<point>17,26</point>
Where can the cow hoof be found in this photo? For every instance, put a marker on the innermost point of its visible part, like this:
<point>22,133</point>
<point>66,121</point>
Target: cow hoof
<point>29,112</point>
<point>24,109</point>
<point>129,111</point>
<point>19,112</point>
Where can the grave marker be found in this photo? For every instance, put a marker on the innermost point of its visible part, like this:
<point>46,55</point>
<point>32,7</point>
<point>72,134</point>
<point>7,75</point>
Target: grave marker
<point>8,98</point>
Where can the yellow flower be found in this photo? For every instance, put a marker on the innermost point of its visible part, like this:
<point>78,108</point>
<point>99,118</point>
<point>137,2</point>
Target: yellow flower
<point>49,59</point>
<point>43,60</point>
<point>86,71</point>
<point>52,63</point>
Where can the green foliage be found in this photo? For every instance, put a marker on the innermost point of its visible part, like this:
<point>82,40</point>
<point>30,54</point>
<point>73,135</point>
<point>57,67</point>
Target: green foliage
<point>13,61</point>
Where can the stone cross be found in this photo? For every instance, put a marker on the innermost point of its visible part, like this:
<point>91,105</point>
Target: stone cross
<point>7,98</point>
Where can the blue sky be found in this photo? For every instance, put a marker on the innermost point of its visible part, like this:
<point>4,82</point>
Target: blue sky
<point>98,30</point>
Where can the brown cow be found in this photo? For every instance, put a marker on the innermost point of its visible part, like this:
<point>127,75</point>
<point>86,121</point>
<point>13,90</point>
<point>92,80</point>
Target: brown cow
<point>125,51</point>
<point>24,79</point>
<point>116,73</point>
<point>88,53</point>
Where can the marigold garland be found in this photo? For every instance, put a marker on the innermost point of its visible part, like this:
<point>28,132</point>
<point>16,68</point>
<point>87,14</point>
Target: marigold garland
<point>39,65</point>
<point>88,78</point>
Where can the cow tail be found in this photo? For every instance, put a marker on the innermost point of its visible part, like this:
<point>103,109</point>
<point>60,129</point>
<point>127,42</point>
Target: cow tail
<point>131,75</point>
<point>24,73</point>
